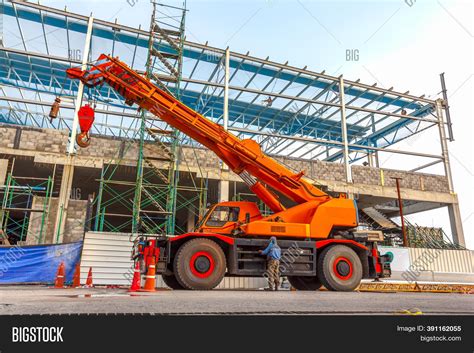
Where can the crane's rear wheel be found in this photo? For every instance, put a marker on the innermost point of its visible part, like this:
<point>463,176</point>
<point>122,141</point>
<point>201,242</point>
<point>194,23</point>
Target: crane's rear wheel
<point>171,281</point>
<point>305,282</point>
<point>339,268</point>
<point>199,264</point>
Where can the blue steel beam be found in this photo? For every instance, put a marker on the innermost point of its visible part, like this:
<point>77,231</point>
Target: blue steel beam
<point>385,131</point>
<point>189,52</point>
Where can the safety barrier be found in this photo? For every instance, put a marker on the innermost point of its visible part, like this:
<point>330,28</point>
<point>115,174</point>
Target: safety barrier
<point>37,263</point>
<point>431,260</point>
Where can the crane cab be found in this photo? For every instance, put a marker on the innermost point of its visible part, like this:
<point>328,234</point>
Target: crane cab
<point>225,217</point>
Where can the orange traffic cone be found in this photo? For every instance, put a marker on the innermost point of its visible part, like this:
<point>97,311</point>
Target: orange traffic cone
<point>89,283</point>
<point>150,280</point>
<point>136,278</point>
<point>76,280</point>
<point>59,282</point>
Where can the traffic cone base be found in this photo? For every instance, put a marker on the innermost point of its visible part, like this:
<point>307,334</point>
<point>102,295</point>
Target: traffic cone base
<point>136,278</point>
<point>76,280</point>
<point>150,279</point>
<point>89,282</point>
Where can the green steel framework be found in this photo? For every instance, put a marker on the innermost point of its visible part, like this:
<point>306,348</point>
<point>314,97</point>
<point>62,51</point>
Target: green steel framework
<point>17,196</point>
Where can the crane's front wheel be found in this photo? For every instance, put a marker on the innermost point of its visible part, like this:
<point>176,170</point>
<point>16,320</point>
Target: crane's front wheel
<point>171,281</point>
<point>305,282</point>
<point>339,268</point>
<point>199,264</point>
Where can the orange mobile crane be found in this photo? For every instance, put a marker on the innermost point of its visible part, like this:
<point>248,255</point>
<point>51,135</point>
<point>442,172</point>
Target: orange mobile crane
<point>318,235</point>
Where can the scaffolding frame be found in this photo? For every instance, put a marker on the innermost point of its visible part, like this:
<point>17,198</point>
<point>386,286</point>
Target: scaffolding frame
<point>150,202</point>
<point>17,195</point>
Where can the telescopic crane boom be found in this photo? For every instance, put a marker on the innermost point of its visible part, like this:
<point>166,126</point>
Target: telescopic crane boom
<point>244,157</point>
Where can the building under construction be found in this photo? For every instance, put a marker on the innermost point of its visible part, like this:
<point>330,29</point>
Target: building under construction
<point>138,175</point>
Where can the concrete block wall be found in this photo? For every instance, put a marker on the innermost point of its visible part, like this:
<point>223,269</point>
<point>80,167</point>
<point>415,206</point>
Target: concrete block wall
<point>410,180</point>
<point>201,158</point>
<point>318,170</point>
<point>417,181</point>
<point>432,182</point>
<point>295,164</point>
<point>327,171</point>
<point>44,140</point>
<point>154,150</point>
<point>75,220</point>
<point>106,148</point>
<point>366,175</point>
<point>34,225</point>
<point>8,136</point>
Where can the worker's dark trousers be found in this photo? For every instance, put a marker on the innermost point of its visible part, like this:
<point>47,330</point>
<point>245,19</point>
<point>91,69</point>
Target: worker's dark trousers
<point>273,273</point>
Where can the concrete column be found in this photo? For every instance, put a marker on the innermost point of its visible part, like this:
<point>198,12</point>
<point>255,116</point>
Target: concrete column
<point>444,143</point>
<point>3,170</point>
<point>63,201</point>
<point>347,167</point>
<point>191,221</point>
<point>223,190</point>
<point>456,224</point>
<point>453,209</point>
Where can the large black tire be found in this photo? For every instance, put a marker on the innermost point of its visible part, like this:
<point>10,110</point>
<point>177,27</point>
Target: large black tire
<point>199,264</point>
<point>305,282</point>
<point>171,281</point>
<point>339,268</point>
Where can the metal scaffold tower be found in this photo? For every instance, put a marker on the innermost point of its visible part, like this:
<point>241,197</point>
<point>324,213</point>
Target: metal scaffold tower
<point>150,201</point>
<point>25,205</point>
<point>166,25</point>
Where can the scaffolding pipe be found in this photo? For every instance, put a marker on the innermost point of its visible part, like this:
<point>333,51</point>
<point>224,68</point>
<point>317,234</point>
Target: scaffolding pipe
<point>400,207</point>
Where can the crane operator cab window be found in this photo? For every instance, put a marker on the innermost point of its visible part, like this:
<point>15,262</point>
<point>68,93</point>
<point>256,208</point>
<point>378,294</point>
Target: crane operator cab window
<point>221,215</point>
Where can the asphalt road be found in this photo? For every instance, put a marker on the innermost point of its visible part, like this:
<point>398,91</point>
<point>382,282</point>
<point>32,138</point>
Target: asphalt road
<point>44,300</point>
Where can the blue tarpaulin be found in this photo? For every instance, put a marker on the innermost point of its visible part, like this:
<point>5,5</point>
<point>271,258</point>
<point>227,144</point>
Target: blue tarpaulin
<point>37,263</point>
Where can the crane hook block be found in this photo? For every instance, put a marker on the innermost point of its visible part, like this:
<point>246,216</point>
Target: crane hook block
<point>86,119</point>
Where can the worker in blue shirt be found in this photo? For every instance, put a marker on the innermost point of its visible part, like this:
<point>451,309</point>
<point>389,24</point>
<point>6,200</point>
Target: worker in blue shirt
<point>273,253</point>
